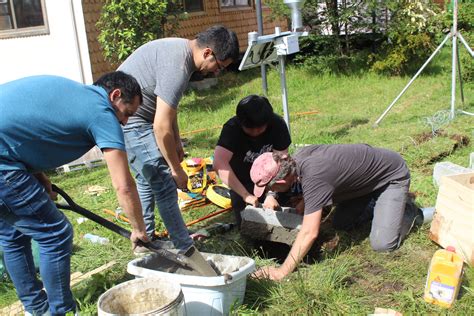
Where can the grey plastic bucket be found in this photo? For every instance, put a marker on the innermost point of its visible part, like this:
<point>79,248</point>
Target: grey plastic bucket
<point>144,296</point>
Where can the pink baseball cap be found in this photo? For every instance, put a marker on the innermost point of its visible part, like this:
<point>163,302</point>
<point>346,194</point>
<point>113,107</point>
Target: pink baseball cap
<point>263,170</point>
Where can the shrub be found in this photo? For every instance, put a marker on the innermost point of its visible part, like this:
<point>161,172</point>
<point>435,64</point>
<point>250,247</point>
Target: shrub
<point>318,53</point>
<point>466,60</point>
<point>127,24</point>
<point>466,27</point>
<point>412,30</point>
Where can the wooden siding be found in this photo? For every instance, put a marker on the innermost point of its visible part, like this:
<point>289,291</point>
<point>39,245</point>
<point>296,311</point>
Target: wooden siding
<point>240,20</point>
<point>440,3</point>
<point>91,9</point>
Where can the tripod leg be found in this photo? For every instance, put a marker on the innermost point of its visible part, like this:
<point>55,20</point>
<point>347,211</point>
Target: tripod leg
<point>466,44</point>
<point>413,79</point>
<point>460,76</point>
<point>472,54</point>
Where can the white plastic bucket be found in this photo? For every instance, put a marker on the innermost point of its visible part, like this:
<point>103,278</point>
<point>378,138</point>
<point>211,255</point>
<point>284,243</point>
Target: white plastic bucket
<point>146,296</point>
<point>203,295</point>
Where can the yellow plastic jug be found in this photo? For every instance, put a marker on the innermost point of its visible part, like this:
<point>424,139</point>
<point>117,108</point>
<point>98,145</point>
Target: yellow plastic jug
<point>444,277</point>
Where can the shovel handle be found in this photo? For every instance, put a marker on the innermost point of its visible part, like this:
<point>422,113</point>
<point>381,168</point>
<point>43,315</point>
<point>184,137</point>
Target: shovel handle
<point>71,205</point>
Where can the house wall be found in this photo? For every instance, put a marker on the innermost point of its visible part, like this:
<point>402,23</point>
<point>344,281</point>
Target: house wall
<point>242,21</point>
<point>62,52</point>
<point>440,3</point>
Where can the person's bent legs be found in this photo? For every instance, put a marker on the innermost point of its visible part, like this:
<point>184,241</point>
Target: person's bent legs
<point>238,205</point>
<point>353,213</point>
<point>388,225</point>
<point>27,212</point>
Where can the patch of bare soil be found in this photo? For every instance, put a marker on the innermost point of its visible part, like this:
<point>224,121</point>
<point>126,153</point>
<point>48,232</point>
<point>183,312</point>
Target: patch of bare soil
<point>425,170</point>
<point>421,194</point>
<point>425,136</point>
<point>423,164</point>
<point>373,268</point>
<point>461,140</point>
<point>378,289</point>
<point>390,287</point>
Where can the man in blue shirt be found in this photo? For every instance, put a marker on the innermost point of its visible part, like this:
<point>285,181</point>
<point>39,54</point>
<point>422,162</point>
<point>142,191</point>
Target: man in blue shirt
<point>45,122</point>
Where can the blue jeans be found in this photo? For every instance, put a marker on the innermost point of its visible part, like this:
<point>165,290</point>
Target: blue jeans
<point>26,213</point>
<point>155,183</point>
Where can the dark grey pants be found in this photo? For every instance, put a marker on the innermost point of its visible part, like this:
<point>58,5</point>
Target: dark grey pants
<point>390,224</point>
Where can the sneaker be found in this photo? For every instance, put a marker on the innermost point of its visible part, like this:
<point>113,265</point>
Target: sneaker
<point>141,251</point>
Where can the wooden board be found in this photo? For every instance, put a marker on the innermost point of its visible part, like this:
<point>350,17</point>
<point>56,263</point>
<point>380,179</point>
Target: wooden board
<point>453,221</point>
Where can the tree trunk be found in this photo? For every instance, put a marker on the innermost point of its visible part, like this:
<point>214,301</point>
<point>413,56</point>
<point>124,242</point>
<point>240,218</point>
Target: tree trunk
<point>333,16</point>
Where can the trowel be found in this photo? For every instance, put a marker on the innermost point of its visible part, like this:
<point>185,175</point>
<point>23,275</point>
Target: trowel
<point>190,260</point>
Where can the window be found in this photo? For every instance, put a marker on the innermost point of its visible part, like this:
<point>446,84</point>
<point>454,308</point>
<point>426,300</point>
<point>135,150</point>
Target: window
<point>234,3</point>
<point>22,18</point>
<point>193,5</point>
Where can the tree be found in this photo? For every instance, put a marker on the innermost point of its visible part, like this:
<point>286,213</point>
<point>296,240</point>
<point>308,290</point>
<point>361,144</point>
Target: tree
<point>410,38</point>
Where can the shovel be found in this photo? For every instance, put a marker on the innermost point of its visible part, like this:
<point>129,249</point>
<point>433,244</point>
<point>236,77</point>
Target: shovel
<point>179,259</point>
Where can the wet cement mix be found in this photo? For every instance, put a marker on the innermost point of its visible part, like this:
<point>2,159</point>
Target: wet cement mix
<point>138,299</point>
<point>218,262</point>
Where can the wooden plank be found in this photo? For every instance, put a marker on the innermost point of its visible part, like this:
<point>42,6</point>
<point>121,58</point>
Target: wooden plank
<point>13,309</point>
<point>445,208</point>
<point>453,195</point>
<point>457,195</point>
<point>453,221</point>
<point>17,307</point>
<point>91,273</point>
<point>462,182</point>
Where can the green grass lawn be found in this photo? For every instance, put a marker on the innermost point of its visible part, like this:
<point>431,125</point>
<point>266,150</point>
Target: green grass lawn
<point>350,279</point>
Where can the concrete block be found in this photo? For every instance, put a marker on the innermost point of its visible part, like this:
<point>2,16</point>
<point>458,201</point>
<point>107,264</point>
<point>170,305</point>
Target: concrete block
<point>278,226</point>
<point>447,168</point>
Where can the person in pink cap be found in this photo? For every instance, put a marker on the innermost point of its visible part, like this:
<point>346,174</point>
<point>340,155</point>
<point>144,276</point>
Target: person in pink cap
<point>357,178</point>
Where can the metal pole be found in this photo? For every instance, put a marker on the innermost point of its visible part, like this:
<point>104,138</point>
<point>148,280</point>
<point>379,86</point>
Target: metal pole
<point>284,93</point>
<point>413,79</point>
<point>258,9</point>
<point>454,62</point>
<point>460,76</point>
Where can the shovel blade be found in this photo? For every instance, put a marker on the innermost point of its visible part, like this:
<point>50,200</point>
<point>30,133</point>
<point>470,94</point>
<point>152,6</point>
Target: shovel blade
<point>198,263</point>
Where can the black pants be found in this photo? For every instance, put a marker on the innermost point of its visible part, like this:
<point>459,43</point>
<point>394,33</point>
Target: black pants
<point>238,204</point>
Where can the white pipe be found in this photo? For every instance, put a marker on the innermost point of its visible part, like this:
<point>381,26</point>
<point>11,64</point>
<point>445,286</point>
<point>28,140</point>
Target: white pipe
<point>80,39</point>
<point>454,59</point>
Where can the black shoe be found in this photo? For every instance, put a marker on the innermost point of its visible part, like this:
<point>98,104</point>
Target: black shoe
<point>413,217</point>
